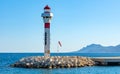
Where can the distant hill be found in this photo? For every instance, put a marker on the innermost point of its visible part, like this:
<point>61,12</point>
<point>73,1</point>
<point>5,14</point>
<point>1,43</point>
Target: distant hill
<point>96,48</point>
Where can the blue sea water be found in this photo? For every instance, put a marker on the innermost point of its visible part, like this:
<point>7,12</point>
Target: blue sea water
<point>9,58</point>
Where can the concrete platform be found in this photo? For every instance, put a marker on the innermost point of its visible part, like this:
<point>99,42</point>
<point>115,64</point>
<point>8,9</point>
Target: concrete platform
<point>106,61</point>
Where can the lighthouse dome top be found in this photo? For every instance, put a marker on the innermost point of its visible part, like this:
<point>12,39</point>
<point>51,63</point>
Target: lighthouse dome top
<point>47,7</point>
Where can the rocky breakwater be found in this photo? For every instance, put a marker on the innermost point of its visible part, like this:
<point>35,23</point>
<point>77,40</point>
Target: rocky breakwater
<point>53,62</point>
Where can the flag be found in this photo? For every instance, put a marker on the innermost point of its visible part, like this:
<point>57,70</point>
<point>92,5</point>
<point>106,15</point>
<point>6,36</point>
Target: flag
<point>60,43</point>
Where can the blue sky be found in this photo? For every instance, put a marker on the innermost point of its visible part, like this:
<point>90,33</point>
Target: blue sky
<point>76,23</point>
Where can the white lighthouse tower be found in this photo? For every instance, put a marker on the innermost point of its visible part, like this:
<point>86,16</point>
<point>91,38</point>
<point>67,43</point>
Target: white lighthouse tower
<point>47,16</point>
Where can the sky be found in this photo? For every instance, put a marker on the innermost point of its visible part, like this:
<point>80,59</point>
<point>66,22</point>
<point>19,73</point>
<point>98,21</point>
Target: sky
<point>76,23</point>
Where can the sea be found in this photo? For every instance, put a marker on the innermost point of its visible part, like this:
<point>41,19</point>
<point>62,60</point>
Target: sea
<point>9,58</point>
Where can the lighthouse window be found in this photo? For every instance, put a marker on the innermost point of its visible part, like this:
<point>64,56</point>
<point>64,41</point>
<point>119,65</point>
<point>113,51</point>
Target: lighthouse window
<point>47,17</point>
<point>45,38</point>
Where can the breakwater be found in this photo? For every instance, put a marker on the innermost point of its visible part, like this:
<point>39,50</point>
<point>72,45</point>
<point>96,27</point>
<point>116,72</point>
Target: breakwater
<point>53,62</point>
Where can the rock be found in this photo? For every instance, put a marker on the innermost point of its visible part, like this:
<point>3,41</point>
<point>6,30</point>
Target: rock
<point>53,62</point>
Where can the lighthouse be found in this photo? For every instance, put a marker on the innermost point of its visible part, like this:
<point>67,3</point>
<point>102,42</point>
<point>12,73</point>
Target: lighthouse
<point>47,16</point>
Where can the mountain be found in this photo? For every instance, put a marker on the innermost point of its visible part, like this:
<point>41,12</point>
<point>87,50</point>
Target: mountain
<point>97,48</point>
